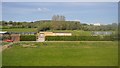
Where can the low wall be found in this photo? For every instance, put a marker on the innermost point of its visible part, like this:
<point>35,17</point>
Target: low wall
<point>56,34</point>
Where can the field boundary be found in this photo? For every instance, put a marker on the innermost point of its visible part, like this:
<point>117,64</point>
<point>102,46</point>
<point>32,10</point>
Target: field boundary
<point>79,41</point>
<point>66,41</point>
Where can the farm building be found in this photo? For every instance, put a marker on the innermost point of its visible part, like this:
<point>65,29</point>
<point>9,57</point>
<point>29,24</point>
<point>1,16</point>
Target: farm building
<point>23,33</point>
<point>6,35</point>
<point>2,33</point>
<point>96,33</point>
<point>41,35</point>
<point>56,33</point>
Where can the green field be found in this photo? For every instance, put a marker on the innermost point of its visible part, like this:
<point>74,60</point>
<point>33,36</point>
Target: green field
<point>62,54</point>
<point>79,32</point>
<point>20,30</point>
<point>74,32</point>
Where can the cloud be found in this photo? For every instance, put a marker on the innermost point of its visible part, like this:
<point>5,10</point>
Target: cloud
<point>43,9</point>
<point>76,20</point>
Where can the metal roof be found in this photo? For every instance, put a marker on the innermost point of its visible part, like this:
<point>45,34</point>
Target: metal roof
<point>2,32</point>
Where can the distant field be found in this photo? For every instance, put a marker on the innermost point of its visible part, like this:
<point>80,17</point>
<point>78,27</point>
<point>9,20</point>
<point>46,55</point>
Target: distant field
<point>75,32</point>
<point>20,30</point>
<point>62,54</point>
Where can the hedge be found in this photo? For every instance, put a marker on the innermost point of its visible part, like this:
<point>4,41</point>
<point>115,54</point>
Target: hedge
<point>79,38</point>
<point>5,37</point>
<point>27,38</point>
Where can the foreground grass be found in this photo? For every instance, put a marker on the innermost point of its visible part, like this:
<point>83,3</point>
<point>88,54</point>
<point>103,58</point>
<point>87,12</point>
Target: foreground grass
<point>0,59</point>
<point>62,54</point>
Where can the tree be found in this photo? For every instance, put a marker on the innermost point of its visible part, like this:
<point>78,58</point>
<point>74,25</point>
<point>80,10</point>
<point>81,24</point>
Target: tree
<point>58,18</point>
<point>44,26</point>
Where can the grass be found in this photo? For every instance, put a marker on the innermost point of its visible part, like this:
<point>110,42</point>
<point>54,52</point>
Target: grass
<point>76,32</point>
<point>4,43</point>
<point>62,54</point>
<point>21,30</point>
<point>0,59</point>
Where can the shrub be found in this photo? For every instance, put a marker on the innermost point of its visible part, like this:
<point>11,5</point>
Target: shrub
<point>5,37</point>
<point>27,38</point>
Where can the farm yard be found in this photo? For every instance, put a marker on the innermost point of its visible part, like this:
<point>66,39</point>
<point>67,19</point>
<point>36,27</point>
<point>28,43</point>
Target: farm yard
<point>80,49</point>
<point>77,53</point>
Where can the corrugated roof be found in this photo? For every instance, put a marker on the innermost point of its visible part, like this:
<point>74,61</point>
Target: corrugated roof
<point>2,32</point>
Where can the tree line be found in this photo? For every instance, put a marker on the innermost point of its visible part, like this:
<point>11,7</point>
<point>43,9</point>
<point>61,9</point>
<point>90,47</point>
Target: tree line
<point>58,25</point>
<point>58,22</point>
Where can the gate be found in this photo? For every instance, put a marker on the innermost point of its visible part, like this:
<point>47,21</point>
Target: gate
<point>41,37</point>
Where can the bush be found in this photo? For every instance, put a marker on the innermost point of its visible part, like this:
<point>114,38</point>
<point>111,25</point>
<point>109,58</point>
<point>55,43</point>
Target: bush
<point>4,37</point>
<point>27,38</point>
<point>78,38</point>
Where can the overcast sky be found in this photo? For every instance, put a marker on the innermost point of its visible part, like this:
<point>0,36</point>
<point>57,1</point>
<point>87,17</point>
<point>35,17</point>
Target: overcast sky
<point>85,12</point>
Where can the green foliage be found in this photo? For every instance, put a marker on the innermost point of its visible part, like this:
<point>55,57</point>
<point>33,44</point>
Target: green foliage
<point>109,27</point>
<point>21,30</point>
<point>27,38</point>
<point>4,37</point>
<point>5,27</point>
<point>59,25</point>
<point>79,38</point>
<point>45,25</point>
<point>4,43</point>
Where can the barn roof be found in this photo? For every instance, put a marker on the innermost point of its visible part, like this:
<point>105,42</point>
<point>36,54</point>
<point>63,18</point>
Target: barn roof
<point>2,32</point>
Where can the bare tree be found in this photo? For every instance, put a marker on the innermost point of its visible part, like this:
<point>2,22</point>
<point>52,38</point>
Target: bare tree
<point>58,18</point>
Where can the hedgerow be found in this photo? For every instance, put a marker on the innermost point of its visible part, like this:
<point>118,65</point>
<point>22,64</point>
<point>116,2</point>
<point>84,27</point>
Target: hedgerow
<point>27,38</point>
<point>79,38</point>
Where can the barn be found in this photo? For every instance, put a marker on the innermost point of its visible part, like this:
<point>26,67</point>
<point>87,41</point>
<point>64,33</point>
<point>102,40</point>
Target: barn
<point>41,35</point>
